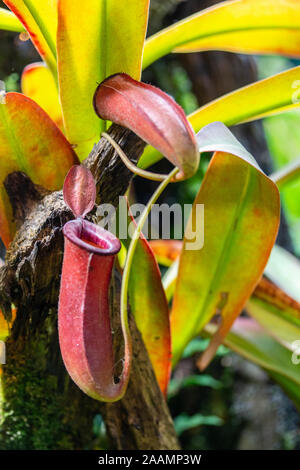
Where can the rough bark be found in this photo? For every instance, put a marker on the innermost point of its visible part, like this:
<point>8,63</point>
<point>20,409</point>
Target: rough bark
<point>43,409</point>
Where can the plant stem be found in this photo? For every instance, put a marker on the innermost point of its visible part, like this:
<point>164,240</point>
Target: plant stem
<point>131,250</point>
<point>138,171</point>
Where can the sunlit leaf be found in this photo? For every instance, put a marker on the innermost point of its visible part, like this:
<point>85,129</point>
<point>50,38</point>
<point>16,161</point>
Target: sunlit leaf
<point>39,84</point>
<point>9,21</point>
<point>242,208</point>
<point>166,251</point>
<point>32,143</point>
<point>233,26</point>
<point>263,98</point>
<point>150,309</point>
<point>4,329</point>
<point>95,39</point>
<point>40,20</point>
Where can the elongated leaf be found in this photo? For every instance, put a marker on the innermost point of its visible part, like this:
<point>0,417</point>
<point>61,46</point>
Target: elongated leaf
<point>40,20</point>
<point>9,21</point>
<point>152,115</point>
<point>95,39</point>
<point>241,209</point>
<point>251,341</point>
<point>39,84</point>
<point>260,99</point>
<point>276,312</point>
<point>289,387</point>
<point>32,143</point>
<point>233,26</point>
<point>150,309</point>
<point>284,270</point>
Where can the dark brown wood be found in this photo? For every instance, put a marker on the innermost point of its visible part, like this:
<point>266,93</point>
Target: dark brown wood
<point>141,420</point>
<point>43,409</point>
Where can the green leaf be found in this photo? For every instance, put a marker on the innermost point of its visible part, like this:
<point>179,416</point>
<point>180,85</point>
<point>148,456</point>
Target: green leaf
<point>183,422</point>
<point>199,345</point>
<point>276,312</point>
<point>233,26</point>
<point>95,39</point>
<point>241,207</point>
<point>251,341</point>
<point>201,380</point>
<point>260,99</point>
<point>9,21</point>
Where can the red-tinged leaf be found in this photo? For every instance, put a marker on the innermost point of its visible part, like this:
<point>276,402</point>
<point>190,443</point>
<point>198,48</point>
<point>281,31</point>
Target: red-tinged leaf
<point>32,143</point>
<point>39,84</point>
<point>40,20</point>
<point>95,39</point>
<point>150,309</point>
<point>80,190</point>
<point>241,214</point>
<point>152,115</point>
<point>85,335</point>
<point>166,251</point>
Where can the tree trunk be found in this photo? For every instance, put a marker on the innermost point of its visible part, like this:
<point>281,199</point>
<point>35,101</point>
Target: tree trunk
<point>43,408</point>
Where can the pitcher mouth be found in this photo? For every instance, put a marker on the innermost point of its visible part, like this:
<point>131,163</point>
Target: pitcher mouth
<point>91,237</point>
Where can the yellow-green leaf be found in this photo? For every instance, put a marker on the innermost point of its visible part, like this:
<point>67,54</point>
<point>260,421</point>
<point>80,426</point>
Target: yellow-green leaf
<point>278,313</point>
<point>40,20</point>
<point>251,341</point>
<point>95,39</point>
<point>29,142</point>
<point>39,84</point>
<point>241,214</point>
<point>260,99</point>
<point>251,26</point>
<point>9,21</point>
